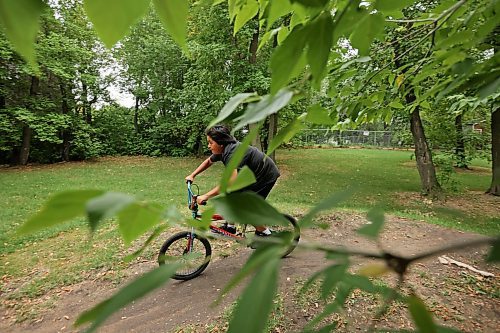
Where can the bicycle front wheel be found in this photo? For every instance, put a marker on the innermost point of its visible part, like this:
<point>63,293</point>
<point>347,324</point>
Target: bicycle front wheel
<point>189,249</point>
<point>294,230</point>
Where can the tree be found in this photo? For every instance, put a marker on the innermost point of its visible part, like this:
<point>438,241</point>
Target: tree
<point>495,152</point>
<point>43,104</point>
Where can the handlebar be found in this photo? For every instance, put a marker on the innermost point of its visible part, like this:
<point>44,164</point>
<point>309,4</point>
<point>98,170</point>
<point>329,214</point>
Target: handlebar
<point>192,202</point>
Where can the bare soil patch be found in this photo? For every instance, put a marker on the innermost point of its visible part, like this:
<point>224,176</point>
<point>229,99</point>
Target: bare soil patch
<point>472,170</point>
<point>473,203</point>
<point>458,297</point>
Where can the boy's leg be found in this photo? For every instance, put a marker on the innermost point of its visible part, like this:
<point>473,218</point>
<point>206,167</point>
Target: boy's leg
<point>264,192</point>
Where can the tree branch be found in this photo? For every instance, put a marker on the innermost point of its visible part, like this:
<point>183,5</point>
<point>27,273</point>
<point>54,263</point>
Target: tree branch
<point>450,11</point>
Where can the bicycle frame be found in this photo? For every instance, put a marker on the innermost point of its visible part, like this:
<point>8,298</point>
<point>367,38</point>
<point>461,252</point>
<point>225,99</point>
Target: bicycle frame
<point>193,206</point>
<point>180,246</point>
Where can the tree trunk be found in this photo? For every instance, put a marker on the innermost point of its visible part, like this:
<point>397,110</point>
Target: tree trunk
<point>460,144</point>
<point>86,107</point>
<point>26,145</point>
<point>201,148</point>
<point>423,156</point>
<point>254,43</point>
<point>24,153</point>
<point>495,153</point>
<point>272,130</point>
<point>136,115</point>
<point>256,141</point>
<point>65,132</point>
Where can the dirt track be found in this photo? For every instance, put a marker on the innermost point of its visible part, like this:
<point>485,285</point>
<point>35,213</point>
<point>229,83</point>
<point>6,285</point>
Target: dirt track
<point>180,303</point>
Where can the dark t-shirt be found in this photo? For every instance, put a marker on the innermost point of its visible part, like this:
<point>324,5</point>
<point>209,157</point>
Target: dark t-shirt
<point>262,166</point>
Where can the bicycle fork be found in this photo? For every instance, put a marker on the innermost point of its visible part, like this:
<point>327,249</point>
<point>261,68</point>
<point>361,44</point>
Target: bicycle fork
<point>189,245</point>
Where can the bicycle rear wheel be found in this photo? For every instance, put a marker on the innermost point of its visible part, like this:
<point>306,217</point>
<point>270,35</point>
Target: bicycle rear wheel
<point>189,249</point>
<point>289,234</point>
<point>293,231</point>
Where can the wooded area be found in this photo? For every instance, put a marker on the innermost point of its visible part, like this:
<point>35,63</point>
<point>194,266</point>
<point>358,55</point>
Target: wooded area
<point>62,111</point>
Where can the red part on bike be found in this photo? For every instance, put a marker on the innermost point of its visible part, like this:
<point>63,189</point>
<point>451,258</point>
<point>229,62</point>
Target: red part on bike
<point>217,217</point>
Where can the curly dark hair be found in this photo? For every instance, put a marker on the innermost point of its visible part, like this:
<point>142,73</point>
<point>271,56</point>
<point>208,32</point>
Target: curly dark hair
<point>220,134</point>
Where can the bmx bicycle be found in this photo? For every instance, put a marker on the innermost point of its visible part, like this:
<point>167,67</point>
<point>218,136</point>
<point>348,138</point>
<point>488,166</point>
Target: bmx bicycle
<point>194,251</point>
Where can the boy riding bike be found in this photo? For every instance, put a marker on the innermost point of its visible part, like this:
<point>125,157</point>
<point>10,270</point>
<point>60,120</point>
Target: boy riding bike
<point>223,145</point>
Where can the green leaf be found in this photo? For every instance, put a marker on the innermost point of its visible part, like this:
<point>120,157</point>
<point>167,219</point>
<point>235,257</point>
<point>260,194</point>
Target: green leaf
<point>267,36</point>
<point>134,290</point>
<point>173,15</point>
<point>494,255</point>
<point>328,203</point>
<point>347,19</point>
<point>455,38</point>
<point>20,20</point>
<point>425,104</point>
<point>325,329</point>
<point>268,105</point>
<point>283,34</point>
<point>236,158</point>
<point>333,275</point>
<point>363,59</point>
<point>230,106</point>
<point>257,259</point>
<point>444,329</point>
<point>232,6</point>
<point>453,57</point>
<point>285,134</point>
<point>105,206</point>
<point>320,45</point>
<point>285,59</point>
<point>390,6</point>
<point>137,218</point>
<point>157,232</point>
<point>206,218</point>
<point>377,220</point>
<point>311,3</point>
<point>245,14</point>
<point>420,314</point>
<point>370,27</point>
<point>396,105</point>
<point>315,276</point>
<point>62,207</point>
<point>361,282</point>
<point>248,208</point>
<point>112,19</point>
<point>374,270</point>
<point>244,179</point>
<point>318,115</point>
<point>343,292</point>
<point>277,10</point>
<point>489,88</point>
<point>256,302</point>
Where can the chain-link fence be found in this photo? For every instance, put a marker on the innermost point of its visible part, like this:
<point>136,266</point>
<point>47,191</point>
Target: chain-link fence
<point>312,137</point>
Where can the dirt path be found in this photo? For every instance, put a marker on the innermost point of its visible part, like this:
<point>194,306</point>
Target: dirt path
<point>458,297</point>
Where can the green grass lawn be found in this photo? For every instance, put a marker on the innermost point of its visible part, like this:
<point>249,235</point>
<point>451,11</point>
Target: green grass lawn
<point>384,178</point>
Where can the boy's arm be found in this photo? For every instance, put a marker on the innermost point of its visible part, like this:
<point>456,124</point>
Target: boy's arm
<point>202,167</point>
<point>215,191</point>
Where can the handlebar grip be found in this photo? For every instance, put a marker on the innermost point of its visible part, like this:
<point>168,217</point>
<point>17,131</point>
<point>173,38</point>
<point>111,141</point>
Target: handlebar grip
<point>203,203</point>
